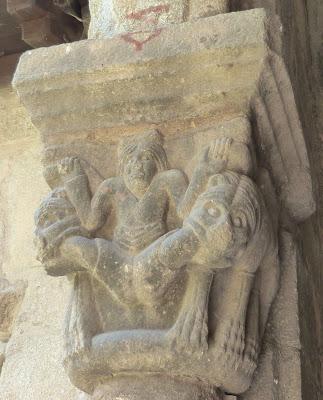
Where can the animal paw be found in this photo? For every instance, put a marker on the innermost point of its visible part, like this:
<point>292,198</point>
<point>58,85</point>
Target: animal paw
<point>230,339</point>
<point>190,332</point>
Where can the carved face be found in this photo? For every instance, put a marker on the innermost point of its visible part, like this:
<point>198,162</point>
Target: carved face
<point>53,209</point>
<point>139,170</point>
<point>222,229</point>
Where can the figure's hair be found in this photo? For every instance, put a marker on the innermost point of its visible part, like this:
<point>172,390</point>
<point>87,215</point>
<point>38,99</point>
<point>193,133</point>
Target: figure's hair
<point>151,142</point>
<point>55,204</point>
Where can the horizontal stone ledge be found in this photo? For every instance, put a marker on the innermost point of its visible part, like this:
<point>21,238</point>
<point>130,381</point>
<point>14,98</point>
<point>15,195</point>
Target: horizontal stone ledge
<point>195,69</point>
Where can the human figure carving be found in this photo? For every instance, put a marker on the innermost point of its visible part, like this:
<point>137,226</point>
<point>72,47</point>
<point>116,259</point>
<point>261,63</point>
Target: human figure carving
<point>219,221</point>
<point>144,195</point>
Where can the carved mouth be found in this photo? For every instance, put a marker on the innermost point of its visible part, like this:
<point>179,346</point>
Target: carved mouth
<point>197,228</point>
<point>137,175</point>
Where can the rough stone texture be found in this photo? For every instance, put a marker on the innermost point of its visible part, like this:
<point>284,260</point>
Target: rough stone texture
<point>36,338</point>
<point>302,52</point>
<point>164,83</point>
<point>303,55</point>
<point>279,374</point>
<point>137,18</point>
<point>202,9</point>
<point>15,122</point>
<point>168,79</point>
<point>22,383</point>
<point>110,18</point>
<point>278,136</point>
<point>182,316</point>
<point>154,388</point>
<point>10,300</point>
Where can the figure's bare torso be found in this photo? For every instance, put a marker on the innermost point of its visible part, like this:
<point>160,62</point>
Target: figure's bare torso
<point>141,221</point>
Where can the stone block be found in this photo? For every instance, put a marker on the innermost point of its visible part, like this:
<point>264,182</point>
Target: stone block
<point>203,68</point>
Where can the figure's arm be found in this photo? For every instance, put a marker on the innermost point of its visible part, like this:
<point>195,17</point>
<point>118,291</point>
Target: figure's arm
<point>91,212</point>
<point>178,248</point>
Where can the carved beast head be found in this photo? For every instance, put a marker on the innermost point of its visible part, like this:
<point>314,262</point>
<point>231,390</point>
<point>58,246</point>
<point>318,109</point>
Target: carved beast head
<point>228,217</point>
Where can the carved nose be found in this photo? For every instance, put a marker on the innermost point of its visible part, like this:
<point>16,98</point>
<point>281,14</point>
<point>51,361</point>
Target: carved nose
<point>137,165</point>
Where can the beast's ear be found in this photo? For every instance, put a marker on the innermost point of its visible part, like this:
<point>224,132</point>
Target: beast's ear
<point>225,178</point>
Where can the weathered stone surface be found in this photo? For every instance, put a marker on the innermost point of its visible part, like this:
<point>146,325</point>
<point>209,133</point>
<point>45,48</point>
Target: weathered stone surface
<point>138,18</point>
<point>279,375</point>
<point>286,163</point>
<point>110,18</point>
<point>33,356</point>
<point>154,388</point>
<point>10,299</point>
<point>202,9</point>
<point>176,75</point>
<point>220,222</point>
<point>15,122</point>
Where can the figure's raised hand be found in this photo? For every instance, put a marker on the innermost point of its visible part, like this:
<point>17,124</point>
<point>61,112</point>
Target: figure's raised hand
<point>219,149</point>
<point>69,168</point>
<point>214,158</point>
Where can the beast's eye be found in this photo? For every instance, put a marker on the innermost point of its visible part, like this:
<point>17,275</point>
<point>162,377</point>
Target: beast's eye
<point>213,210</point>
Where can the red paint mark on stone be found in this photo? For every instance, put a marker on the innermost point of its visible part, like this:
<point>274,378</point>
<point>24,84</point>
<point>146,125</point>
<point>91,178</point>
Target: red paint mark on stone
<point>139,44</point>
<point>150,16</point>
<point>142,14</point>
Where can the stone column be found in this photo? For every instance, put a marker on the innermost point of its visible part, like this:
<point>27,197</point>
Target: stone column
<point>138,17</point>
<point>175,156</point>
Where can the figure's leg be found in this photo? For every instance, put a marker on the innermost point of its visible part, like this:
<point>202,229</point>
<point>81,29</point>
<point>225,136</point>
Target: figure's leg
<point>81,251</point>
<point>190,331</point>
<point>158,266</point>
<point>102,258</point>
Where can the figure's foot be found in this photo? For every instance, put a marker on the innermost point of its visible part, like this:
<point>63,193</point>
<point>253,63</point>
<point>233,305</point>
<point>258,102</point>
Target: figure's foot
<point>230,340</point>
<point>190,332</point>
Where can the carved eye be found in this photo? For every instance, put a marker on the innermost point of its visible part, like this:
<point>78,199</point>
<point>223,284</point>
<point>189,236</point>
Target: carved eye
<point>213,210</point>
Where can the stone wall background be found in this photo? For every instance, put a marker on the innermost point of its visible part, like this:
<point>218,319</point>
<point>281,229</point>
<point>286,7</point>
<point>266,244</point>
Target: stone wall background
<point>32,369</point>
<point>303,48</point>
<point>303,54</point>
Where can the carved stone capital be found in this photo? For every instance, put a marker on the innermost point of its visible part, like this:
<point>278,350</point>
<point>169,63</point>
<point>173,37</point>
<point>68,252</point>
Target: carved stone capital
<point>173,161</point>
